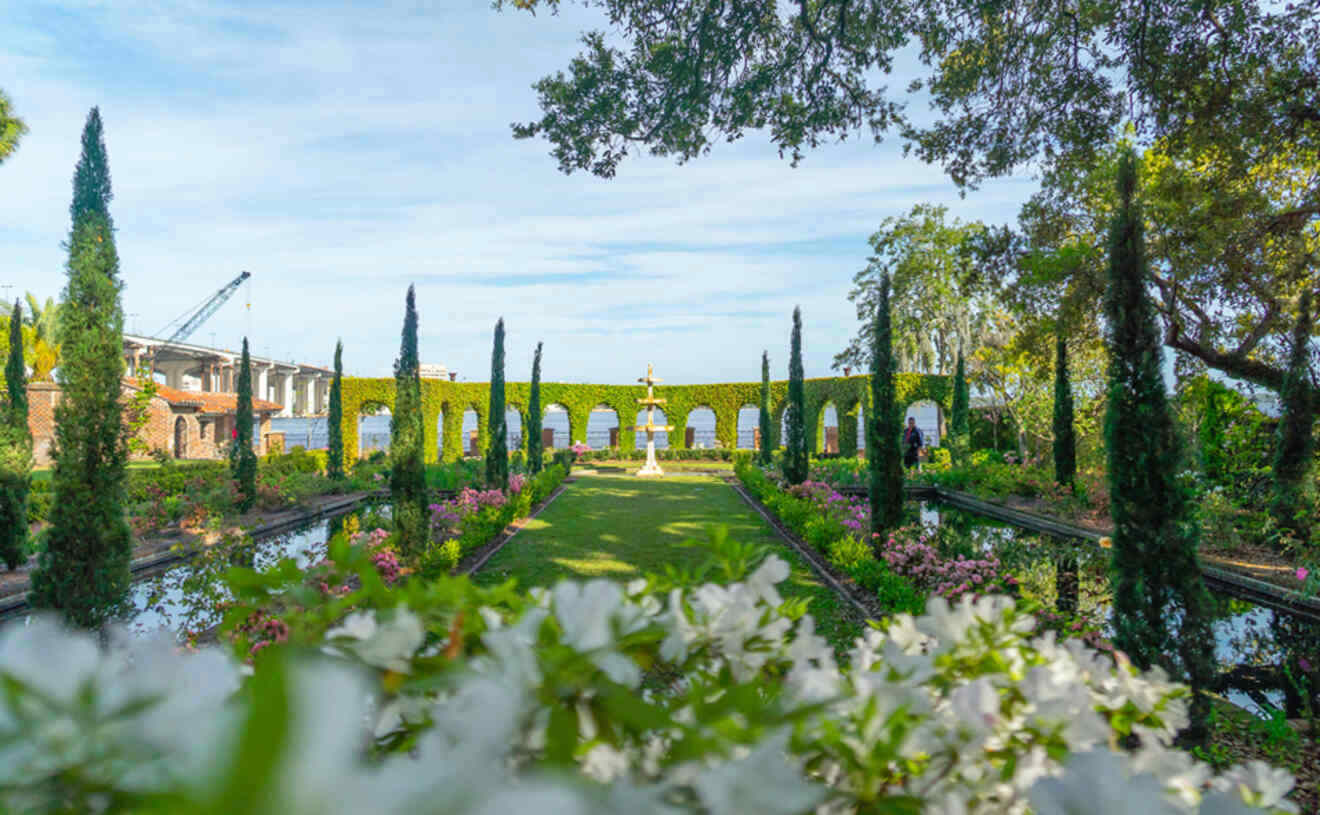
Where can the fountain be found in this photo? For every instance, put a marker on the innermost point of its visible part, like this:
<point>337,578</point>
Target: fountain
<point>652,467</point>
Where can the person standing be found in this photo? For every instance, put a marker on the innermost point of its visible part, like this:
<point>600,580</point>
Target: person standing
<point>912,443</point>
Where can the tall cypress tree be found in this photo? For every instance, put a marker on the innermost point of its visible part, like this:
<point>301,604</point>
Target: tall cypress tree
<point>242,459</point>
<point>534,416</point>
<point>334,461</point>
<point>407,472</point>
<point>961,426</point>
<point>766,452</point>
<point>497,448</point>
<point>1065,437</point>
<point>91,177</point>
<point>795,452</point>
<point>1155,569</point>
<point>15,449</point>
<point>83,570</point>
<point>884,460</point>
<point>1294,448</point>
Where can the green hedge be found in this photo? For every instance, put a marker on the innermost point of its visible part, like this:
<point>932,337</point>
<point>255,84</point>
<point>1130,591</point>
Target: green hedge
<point>448,401</point>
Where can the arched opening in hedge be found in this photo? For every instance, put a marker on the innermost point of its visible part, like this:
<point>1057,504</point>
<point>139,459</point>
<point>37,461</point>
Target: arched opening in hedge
<point>827,429</point>
<point>600,422</point>
<point>701,426</point>
<point>859,411</point>
<point>749,422</point>
<point>373,428</point>
<point>930,420</point>
<point>661,436</point>
<point>471,432</point>
<point>557,420</point>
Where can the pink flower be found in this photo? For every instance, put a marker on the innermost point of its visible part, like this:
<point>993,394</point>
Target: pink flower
<point>1302,572</point>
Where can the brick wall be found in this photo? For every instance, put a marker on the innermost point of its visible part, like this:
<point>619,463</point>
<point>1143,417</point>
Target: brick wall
<point>159,432</point>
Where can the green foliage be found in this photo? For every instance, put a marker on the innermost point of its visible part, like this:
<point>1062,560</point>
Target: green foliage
<point>497,450</point>
<point>795,454</point>
<point>1292,503</point>
<point>532,422</point>
<point>242,458</point>
<point>960,425</point>
<point>91,178</point>
<point>1154,543</point>
<point>83,570</point>
<point>335,419</point>
<point>894,592</point>
<point>848,553</point>
<point>884,428</point>
<point>937,302</point>
<point>408,472</point>
<point>763,419</point>
<point>1065,442</point>
<point>11,129</point>
<point>15,450</point>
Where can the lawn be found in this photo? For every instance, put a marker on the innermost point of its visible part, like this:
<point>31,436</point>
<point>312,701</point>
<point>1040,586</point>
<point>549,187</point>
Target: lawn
<point>630,466</point>
<point>623,527</point>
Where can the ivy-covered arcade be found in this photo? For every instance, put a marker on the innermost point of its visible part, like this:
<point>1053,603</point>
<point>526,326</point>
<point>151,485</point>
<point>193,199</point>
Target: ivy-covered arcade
<point>444,403</point>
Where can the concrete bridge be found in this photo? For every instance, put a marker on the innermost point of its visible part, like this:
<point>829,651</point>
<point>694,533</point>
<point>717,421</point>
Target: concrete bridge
<point>299,390</point>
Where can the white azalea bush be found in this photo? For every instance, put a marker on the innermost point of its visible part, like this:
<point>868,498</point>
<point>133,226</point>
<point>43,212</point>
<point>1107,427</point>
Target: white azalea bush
<point>654,697</point>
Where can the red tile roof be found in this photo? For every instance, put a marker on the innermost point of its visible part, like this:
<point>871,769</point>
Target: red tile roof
<point>206,402</point>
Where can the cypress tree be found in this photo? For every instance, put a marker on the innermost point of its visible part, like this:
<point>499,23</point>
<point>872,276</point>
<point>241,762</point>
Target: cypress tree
<point>334,461</point>
<point>91,177</point>
<point>83,571</point>
<point>407,472</point>
<point>242,459</point>
<point>1155,573</point>
<point>497,447</point>
<point>961,429</point>
<point>1294,448</point>
<point>1065,438</point>
<point>534,450</point>
<point>884,460</point>
<point>766,452</point>
<point>15,449</point>
<point>795,453</point>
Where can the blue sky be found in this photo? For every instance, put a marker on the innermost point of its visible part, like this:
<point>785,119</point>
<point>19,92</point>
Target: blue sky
<point>340,154</point>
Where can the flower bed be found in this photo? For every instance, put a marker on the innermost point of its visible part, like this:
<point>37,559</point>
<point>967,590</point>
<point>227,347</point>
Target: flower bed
<point>902,571</point>
<point>469,520</point>
<point>441,696</point>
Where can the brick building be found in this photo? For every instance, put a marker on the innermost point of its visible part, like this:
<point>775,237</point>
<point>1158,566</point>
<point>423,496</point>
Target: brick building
<point>186,424</point>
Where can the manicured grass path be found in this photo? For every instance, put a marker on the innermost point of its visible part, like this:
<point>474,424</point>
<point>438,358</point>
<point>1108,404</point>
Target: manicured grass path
<point>622,527</point>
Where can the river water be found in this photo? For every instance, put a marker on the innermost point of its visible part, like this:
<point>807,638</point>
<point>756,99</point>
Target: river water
<point>374,431</point>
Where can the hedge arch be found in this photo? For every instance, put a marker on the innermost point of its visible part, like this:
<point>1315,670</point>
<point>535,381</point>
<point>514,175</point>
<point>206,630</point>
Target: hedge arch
<point>618,422</point>
<point>750,426</point>
<point>724,399</point>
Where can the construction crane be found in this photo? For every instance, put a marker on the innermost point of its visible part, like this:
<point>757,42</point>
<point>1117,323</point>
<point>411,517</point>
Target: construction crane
<point>193,318</point>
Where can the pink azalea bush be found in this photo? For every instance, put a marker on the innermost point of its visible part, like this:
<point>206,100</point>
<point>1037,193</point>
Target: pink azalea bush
<point>919,561</point>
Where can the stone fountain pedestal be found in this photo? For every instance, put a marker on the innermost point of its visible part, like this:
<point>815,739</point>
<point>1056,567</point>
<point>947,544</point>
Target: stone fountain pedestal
<point>652,467</point>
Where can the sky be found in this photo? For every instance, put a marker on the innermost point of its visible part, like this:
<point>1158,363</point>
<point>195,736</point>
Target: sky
<point>340,154</point>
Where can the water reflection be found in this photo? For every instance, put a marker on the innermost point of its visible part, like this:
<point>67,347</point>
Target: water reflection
<point>1268,660</point>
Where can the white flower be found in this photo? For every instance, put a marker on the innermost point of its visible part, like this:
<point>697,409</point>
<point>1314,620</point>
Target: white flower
<point>1096,783</point>
<point>763,782</point>
<point>604,763</point>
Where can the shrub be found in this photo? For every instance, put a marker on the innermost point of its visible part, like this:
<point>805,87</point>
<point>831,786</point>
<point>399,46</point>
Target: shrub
<point>894,593</point>
<point>848,553</point>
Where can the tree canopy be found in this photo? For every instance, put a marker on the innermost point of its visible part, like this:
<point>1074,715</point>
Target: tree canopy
<point>11,128</point>
<point>1010,82</point>
<point>936,301</point>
